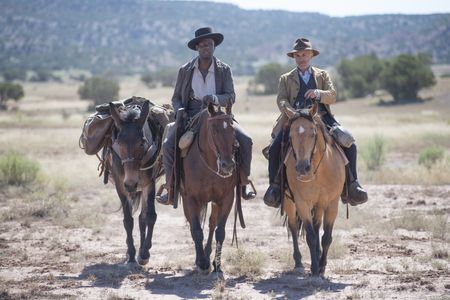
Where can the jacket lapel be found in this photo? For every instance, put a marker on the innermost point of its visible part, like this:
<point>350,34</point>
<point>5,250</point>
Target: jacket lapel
<point>317,78</point>
<point>218,76</point>
<point>293,88</point>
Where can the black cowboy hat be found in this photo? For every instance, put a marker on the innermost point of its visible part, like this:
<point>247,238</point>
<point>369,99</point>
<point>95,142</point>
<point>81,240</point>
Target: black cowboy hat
<point>205,33</point>
<point>302,44</point>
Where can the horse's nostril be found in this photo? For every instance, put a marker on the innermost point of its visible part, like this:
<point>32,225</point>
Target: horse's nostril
<point>308,168</point>
<point>131,187</point>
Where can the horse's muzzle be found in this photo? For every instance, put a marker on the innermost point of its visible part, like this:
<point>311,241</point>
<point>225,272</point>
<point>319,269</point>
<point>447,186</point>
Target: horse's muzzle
<point>303,168</point>
<point>226,166</point>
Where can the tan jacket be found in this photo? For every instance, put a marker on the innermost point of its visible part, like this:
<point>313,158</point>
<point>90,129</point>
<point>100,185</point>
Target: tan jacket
<point>289,86</point>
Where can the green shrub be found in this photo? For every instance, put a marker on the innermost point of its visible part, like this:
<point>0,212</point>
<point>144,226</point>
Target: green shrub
<point>17,169</point>
<point>10,91</point>
<point>99,89</point>
<point>430,155</point>
<point>375,152</point>
<point>404,75</point>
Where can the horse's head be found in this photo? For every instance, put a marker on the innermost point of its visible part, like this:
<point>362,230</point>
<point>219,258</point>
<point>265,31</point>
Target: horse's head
<point>221,138</point>
<point>130,143</point>
<point>303,135</point>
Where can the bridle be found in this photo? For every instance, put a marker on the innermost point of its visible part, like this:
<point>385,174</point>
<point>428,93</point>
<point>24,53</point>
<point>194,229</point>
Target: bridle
<point>132,159</point>
<point>213,146</point>
<point>313,151</point>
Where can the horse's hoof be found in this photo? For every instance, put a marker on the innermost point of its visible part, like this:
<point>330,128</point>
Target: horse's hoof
<point>218,275</point>
<point>142,261</point>
<point>130,260</point>
<point>202,271</point>
<point>300,269</point>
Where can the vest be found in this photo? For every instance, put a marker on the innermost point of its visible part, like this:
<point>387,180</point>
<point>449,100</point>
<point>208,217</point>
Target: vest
<point>300,101</point>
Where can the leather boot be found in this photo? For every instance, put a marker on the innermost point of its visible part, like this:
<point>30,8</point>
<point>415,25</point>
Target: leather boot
<point>272,195</point>
<point>356,194</point>
<point>247,194</point>
<point>167,198</point>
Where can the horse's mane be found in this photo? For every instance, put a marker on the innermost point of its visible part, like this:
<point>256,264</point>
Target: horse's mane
<point>318,120</point>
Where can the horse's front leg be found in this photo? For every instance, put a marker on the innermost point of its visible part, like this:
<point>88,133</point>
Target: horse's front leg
<point>128,224</point>
<point>311,238</point>
<point>147,220</point>
<point>224,211</point>
<point>328,222</point>
<point>294,225</point>
<point>212,227</point>
<point>192,213</point>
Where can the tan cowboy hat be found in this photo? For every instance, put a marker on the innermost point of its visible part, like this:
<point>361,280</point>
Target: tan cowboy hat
<point>205,33</point>
<point>302,44</point>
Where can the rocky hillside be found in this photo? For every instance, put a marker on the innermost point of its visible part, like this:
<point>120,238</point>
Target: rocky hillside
<point>130,36</point>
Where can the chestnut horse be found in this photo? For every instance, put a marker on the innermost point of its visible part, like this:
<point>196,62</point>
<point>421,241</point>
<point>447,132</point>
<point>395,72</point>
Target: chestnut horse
<point>134,146</point>
<point>209,175</point>
<point>315,171</point>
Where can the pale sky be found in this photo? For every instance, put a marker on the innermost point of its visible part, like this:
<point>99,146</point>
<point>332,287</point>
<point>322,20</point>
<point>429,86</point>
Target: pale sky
<point>349,7</point>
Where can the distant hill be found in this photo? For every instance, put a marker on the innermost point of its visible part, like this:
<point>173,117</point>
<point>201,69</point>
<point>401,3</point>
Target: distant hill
<point>130,36</point>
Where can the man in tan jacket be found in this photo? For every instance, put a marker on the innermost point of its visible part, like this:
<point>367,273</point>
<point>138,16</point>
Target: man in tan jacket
<point>298,89</point>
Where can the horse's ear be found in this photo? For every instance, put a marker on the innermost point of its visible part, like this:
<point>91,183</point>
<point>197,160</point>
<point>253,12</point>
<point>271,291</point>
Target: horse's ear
<point>314,109</point>
<point>115,115</point>
<point>144,114</point>
<point>288,110</point>
<point>211,109</point>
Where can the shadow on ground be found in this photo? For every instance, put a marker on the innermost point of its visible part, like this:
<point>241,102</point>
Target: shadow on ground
<point>296,285</point>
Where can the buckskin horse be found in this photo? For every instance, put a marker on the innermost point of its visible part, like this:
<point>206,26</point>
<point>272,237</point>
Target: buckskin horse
<point>209,175</point>
<point>133,147</point>
<point>315,171</point>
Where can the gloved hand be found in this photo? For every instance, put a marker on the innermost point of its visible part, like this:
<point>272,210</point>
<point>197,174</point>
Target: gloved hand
<point>208,99</point>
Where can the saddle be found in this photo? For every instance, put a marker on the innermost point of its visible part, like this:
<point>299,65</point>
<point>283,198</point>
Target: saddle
<point>98,129</point>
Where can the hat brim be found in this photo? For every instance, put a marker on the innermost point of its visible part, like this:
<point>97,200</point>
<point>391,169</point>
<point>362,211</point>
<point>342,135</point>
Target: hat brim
<point>315,52</point>
<point>217,37</point>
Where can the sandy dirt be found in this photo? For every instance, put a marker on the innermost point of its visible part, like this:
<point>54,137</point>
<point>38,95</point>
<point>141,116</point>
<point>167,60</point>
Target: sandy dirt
<point>42,260</point>
<point>66,240</point>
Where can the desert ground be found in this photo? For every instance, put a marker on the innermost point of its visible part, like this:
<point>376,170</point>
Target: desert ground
<point>62,237</point>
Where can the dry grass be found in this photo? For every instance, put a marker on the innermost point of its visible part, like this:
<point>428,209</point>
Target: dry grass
<point>338,249</point>
<point>242,262</point>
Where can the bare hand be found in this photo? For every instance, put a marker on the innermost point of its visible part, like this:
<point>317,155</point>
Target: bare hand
<point>311,94</point>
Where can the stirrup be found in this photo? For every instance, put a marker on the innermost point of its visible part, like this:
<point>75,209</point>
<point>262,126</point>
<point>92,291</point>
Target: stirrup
<point>251,194</point>
<point>163,199</point>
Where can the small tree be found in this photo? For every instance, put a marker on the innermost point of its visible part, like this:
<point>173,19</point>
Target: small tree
<point>360,74</point>
<point>10,91</point>
<point>167,76</point>
<point>268,76</point>
<point>406,74</point>
<point>13,73</point>
<point>148,80</point>
<point>99,89</point>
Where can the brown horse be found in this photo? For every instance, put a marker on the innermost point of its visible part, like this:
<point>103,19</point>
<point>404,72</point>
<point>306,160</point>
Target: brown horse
<point>315,173</point>
<point>133,147</point>
<point>209,175</point>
